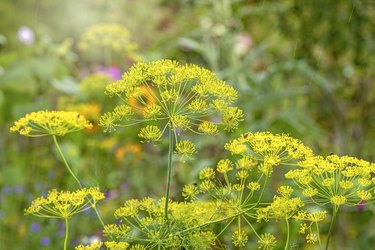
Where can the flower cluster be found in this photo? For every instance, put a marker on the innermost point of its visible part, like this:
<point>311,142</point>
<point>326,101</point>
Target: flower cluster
<point>43,123</point>
<point>271,149</point>
<point>64,204</point>
<point>145,218</point>
<point>166,95</point>
<point>282,207</point>
<point>108,35</point>
<point>335,180</point>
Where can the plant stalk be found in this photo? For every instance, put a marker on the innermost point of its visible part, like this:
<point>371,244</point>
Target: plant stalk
<point>333,221</point>
<point>66,233</point>
<point>65,162</point>
<point>169,174</point>
<point>287,234</point>
<point>75,177</point>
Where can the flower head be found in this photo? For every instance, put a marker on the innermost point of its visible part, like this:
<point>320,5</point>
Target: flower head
<point>165,94</point>
<point>273,149</point>
<point>145,218</point>
<point>108,35</point>
<point>267,241</point>
<point>43,123</point>
<point>64,204</point>
<point>337,180</point>
<point>26,35</point>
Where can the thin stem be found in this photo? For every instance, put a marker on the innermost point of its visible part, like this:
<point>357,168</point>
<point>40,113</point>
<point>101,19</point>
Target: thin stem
<point>287,235</point>
<point>169,174</point>
<point>334,216</point>
<point>65,162</point>
<point>75,177</point>
<point>264,187</point>
<point>66,233</point>
<point>97,214</point>
<point>318,233</point>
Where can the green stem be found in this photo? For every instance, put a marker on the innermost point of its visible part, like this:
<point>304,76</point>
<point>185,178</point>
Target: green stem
<point>318,233</point>
<point>287,235</point>
<point>75,177</point>
<point>334,216</point>
<point>169,174</point>
<point>65,162</point>
<point>264,187</point>
<point>66,233</point>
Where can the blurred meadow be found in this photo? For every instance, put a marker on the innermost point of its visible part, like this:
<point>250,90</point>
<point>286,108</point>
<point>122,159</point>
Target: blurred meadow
<point>305,68</point>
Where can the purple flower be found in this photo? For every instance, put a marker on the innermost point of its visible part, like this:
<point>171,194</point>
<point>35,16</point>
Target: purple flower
<point>114,72</point>
<point>26,35</point>
<point>361,206</point>
<point>111,194</point>
<point>19,189</point>
<point>35,227</point>
<point>7,190</point>
<point>45,241</point>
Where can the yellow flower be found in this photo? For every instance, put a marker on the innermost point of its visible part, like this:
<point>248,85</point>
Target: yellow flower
<point>92,246</point>
<point>224,166</point>
<point>311,238</point>
<point>64,204</point>
<point>337,180</point>
<point>206,174</point>
<point>190,191</point>
<point>185,148</point>
<point>239,238</point>
<point>267,241</point>
<point>108,35</point>
<point>150,133</point>
<point>43,123</point>
<point>170,95</point>
<point>272,149</point>
<point>112,245</point>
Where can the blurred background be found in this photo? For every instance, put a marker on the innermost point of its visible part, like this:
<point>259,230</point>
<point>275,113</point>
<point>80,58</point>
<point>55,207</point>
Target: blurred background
<point>301,67</point>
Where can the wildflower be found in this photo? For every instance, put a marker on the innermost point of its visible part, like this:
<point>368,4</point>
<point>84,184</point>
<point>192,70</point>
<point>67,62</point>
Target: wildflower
<point>145,219</point>
<point>44,123</point>
<point>137,247</point>
<point>150,133</point>
<point>35,227</point>
<point>185,148</point>
<point>337,180</point>
<point>64,204</point>
<point>45,241</point>
<point>113,72</point>
<point>108,35</point>
<point>311,238</point>
<point>116,231</point>
<point>174,96</point>
<point>112,245</point>
<point>190,191</point>
<point>267,241</point>
<point>92,246</point>
<point>253,186</point>
<point>206,174</point>
<point>239,238</point>
<point>130,209</point>
<point>312,217</point>
<point>247,162</point>
<point>26,35</point>
<point>271,149</point>
<point>224,166</point>
<point>208,128</point>
<point>282,207</point>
